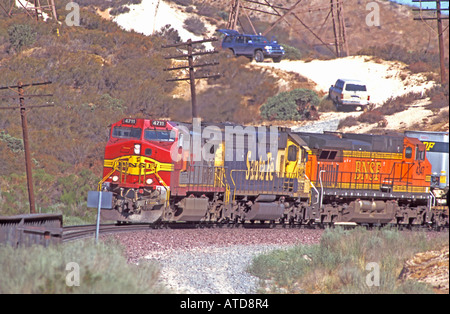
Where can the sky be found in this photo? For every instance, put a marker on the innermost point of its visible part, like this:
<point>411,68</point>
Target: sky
<point>444,4</point>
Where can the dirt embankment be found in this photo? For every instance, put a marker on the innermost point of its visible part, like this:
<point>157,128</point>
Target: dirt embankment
<point>431,267</point>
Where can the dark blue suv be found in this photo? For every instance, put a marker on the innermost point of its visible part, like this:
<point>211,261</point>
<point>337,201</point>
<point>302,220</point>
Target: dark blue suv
<point>251,46</point>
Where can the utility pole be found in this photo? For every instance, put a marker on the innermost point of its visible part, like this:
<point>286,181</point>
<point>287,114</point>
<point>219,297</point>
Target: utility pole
<point>437,16</point>
<point>335,8</point>
<point>191,66</point>
<point>23,114</point>
<point>234,15</point>
<point>33,10</point>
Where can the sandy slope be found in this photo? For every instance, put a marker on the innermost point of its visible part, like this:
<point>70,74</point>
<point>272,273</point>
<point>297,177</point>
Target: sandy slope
<point>152,15</point>
<point>384,79</point>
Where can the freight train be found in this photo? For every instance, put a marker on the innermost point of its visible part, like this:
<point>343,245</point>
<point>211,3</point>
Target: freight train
<point>164,171</point>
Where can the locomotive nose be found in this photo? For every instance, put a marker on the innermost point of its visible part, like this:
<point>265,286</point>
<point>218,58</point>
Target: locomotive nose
<point>125,149</point>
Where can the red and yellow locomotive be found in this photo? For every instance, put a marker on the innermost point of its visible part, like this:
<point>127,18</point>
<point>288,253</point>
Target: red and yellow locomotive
<point>138,166</point>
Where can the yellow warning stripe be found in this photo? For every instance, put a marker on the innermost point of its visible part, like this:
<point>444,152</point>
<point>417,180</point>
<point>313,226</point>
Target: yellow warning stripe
<point>135,165</point>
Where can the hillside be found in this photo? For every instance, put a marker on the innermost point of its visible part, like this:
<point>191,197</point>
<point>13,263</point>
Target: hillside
<point>386,80</point>
<point>102,72</point>
<point>396,23</point>
<point>407,68</point>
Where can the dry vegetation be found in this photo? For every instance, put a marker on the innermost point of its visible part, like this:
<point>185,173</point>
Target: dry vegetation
<point>103,268</point>
<point>339,263</point>
<point>437,100</point>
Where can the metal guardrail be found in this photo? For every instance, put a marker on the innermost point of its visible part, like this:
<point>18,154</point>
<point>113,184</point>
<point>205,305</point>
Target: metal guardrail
<point>26,230</point>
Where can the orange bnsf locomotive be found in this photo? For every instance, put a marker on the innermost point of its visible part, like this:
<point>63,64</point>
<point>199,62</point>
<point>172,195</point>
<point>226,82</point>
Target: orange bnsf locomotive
<point>364,178</point>
<point>164,171</point>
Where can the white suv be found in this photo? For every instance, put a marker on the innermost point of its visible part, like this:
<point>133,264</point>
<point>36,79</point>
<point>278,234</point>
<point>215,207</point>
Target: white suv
<point>350,94</point>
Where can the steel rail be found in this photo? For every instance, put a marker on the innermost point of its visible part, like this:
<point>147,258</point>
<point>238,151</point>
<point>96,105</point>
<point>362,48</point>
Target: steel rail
<point>72,233</point>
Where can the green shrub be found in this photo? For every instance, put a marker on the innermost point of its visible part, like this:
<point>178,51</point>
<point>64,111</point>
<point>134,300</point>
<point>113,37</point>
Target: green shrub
<point>289,105</point>
<point>169,33</point>
<point>20,36</point>
<point>291,53</point>
<point>13,143</point>
<point>194,25</point>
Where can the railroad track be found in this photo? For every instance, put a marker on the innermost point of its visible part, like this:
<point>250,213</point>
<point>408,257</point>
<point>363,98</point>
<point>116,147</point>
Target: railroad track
<point>71,233</point>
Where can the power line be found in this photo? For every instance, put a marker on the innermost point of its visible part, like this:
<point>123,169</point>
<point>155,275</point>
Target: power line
<point>20,95</point>
<point>335,7</point>
<point>188,45</point>
<point>436,16</point>
<point>34,10</point>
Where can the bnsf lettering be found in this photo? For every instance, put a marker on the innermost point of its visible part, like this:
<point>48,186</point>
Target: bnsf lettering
<point>137,165</point>
<point>367,170</point>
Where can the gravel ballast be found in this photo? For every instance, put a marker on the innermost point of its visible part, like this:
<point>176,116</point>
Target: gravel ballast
<point>213,260</point>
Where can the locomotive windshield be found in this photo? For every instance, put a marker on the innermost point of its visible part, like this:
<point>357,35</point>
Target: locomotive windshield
<point>159,135</point>
<point>126,132</point>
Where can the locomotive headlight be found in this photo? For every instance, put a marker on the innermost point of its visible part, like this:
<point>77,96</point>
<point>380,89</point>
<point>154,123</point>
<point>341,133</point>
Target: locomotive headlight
<point>137,149</point>
<point>115,178</point>
<point>149,181</point>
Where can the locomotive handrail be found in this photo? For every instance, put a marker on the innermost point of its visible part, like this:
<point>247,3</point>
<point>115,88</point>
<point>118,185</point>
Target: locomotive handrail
<point>313,186</point>
<point>321,188</point>
<point>234,183</point>
<point>277,182</point>
<point>114,168</point>
<point>165,186</point>
<point>433,200</point>
<point>365,180</point>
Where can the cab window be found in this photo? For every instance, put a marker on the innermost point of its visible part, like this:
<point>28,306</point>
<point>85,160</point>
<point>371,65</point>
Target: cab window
<point>159,135</point>
<point>292,153</point>
<point>408,152</point>
<point>126,132</point>
<point>420,154</point>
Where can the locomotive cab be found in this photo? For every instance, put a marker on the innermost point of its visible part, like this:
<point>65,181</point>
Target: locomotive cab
<point>137,168</point>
